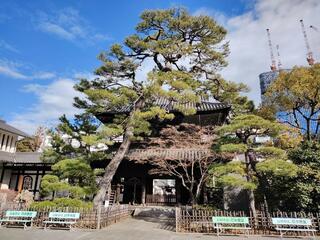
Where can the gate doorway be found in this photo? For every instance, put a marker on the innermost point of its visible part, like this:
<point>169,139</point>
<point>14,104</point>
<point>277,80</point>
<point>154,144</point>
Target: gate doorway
<point>132,191</point>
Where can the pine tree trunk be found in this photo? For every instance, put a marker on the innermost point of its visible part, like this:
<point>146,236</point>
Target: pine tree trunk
<point>251,197</point>
<point>111,169</point>
<point>252,204</point>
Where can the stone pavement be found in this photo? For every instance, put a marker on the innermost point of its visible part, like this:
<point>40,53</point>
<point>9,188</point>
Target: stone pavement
<point>130,229</point>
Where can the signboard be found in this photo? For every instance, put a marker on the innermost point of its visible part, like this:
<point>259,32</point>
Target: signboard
<point>31,214</point>
<point>291,221</point>
<point>240,220</point>
<point>68,215</point>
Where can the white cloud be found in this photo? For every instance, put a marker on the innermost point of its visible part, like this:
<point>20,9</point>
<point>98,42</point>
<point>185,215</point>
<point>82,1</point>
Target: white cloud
<point>43,75</point>
<point>248,41</point>
<point>56,30</point>
<point>69,25</point>
<point>53,100</point>
<point>14,70</point>
<point>9,69</point>
<point>218,16</point>
<point>7,46</point>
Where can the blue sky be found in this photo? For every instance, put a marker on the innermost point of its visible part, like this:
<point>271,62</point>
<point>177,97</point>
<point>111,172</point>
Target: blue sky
<point>45,45</point>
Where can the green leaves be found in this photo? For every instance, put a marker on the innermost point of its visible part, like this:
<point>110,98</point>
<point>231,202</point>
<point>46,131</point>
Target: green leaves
<point>296,93</point>
<point>185,50</point>
<point>282,168</point>
<point>71,175</point>
<point>263,165</point>
<point>271,152</point>
<point>250,125</point>
<point>76,170</point>
<point>232,174</point>
<point>233,148</point>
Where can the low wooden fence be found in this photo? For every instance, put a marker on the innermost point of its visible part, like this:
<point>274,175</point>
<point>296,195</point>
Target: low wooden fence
<point>161,200</point>
<point>200,220</point>
<point>89,218</point>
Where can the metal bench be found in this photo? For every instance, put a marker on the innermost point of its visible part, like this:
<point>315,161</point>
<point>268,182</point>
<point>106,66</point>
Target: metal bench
<point>232,223</point>
<point>284,225</point>
<point>62,218</point>
<point>23,217</point>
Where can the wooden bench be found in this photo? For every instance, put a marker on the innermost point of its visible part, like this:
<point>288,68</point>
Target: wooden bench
<point>62,218</point>
<point>284,225</point>
<point>233,223</point>
<point>23,217</point>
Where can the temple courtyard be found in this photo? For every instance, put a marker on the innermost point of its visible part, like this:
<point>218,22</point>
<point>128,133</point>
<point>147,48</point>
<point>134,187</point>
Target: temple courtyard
<point>129,229</point>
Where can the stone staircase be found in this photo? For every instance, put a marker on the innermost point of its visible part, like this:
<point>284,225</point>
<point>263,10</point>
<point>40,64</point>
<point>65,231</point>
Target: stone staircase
<point>163,216</point>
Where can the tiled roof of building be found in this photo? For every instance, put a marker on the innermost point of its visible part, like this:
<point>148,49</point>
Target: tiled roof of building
<point>20,157</point>
<point>28,157</point>
<point>6,156</point>
<point>8,128</point>
<point>203,106</point>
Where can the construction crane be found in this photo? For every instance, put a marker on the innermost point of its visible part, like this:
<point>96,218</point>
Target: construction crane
<point>314,28</point>
<point>310,58</point>
<point>273,61</point>
<point>278,55</point>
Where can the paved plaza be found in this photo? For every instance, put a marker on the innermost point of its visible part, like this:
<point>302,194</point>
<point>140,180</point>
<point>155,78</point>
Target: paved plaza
<point>130,229</point>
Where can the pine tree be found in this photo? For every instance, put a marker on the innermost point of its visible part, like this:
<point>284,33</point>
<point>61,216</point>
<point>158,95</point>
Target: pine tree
<point>186,53</point>
<point>260,160</point>
<point>71,154</point>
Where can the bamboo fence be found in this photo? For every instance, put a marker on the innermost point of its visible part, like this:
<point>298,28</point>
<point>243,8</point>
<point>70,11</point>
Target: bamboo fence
<point>90,218</point>
<point>200,221</point>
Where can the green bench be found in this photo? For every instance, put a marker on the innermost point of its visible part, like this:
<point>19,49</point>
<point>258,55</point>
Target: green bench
<point>284,225</point>
<point>23,217</point>
<point>232,223</point>
<point>62,218</point>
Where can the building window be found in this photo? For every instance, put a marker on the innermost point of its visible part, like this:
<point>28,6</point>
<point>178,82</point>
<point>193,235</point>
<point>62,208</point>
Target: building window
<point>164,186</point>
<point>27,183</point>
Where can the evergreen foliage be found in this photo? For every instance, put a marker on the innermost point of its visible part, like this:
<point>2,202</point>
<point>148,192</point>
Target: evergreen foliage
<point>304,191</point>
<point>186,53</point>
<point>262,162</point>
<point>61,203</point>
<point>71,152</point>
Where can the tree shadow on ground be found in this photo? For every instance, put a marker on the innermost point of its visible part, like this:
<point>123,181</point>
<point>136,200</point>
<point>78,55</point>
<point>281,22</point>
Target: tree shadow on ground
<point>168,224</point>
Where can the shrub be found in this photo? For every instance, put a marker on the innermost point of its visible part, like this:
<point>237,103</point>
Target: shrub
<point>61,203</point>
<point>42,204</point>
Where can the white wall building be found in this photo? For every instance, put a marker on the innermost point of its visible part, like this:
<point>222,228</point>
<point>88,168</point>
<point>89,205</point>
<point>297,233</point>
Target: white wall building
<point>18,170</point>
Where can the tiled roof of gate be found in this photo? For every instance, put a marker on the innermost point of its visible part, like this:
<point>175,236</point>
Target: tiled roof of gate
<point>175,154</point>
<point>169,105</point>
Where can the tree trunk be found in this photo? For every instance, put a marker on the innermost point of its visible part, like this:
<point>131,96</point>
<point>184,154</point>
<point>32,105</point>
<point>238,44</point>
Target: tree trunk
<point>193,199</point>
<point>308,128</point>
<point>252,204</point>
<point>112,168</point>
<point>251,197</point>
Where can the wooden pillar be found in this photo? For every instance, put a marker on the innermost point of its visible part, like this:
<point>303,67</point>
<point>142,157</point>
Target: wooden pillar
<point>36,184</point>
<point>118,193</point>
<point>20,183</point>
<point>143,191</point>
<point>178,190</point>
